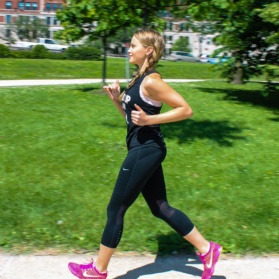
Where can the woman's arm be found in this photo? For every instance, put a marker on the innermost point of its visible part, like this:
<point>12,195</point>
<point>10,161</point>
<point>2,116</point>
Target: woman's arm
<point>113,91</point>
<point>155,88</point>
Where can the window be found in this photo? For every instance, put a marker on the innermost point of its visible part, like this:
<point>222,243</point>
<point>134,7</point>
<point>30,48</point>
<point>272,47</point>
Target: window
<point>8,19</point>
<point>27,6</point>
<point>49,42</point>
<point>55,6</point>
<point>21,5</point>
<point>48,20</point>
<point>48,7</point>
<point>34,6</point>
<point>8,5</point>
<point>55,21</point>
<point>8,33</point>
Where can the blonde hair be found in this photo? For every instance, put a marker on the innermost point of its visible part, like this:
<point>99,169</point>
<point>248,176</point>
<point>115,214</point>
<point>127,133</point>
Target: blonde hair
<point>149,38</point>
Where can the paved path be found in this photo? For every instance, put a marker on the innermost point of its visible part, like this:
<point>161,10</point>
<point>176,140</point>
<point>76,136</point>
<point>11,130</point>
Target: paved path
<point>141,267</point>
<point>6,83</point>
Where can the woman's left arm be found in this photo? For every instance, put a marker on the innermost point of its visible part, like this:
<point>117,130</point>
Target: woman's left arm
<point>155,88</point>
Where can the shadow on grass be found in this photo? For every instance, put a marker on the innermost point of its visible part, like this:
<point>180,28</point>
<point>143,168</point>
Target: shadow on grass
<point>253,97</point>
<point>92,89</point>
<point>221,132</point>
<point>170,264</point>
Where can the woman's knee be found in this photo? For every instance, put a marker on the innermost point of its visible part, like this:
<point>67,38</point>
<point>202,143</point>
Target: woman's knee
<point>161,209</point>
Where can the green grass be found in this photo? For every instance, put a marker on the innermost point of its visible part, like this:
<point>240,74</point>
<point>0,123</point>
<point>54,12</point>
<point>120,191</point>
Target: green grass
<point>61,148</point>
<point>65,69</point>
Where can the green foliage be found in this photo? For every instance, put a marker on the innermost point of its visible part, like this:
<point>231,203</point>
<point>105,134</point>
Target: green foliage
<point>270,13</point>
<point>22,54</point>
<point>30,28</point>
<point>103,19</point>
<point>243,30</point>
<point>68,142</point>
<point>83,53</point>
<point>181,44</point>
<point>40,52</point>
<point>4,51</point>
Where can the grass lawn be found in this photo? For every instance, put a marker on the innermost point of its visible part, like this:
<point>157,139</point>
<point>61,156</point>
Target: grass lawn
<point>67,69</point>
<point>61,148</point>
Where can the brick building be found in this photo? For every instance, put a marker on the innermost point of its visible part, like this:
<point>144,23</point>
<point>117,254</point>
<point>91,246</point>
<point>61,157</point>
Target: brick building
<point>46,10</point>
<point>43,9</point>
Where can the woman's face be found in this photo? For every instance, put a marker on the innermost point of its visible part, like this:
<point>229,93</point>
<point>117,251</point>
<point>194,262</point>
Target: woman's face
<point>137,52</point>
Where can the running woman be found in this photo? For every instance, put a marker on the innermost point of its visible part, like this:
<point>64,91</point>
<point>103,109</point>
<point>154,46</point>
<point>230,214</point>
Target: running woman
<point>141,172</point>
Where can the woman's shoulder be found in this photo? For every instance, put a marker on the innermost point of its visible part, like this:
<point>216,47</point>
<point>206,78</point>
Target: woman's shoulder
<point>152,78</point>
<point>153,85</point>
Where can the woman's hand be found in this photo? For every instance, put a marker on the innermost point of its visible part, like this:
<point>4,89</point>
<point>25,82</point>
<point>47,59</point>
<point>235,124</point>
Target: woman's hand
<point>139,117</point>
<point>113,90</point>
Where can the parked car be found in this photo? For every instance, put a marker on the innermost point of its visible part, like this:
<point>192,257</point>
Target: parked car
<point>217,59</point>
<point>181,56</point>
<point>47,43</point>
<point>204,58</point>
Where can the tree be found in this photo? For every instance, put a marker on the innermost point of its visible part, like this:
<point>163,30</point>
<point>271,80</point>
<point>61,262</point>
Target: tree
<point>242,32</point>
<point>102,19</point>
<point>181,44</point>
<point>270,13</point>
<point>30,28</point>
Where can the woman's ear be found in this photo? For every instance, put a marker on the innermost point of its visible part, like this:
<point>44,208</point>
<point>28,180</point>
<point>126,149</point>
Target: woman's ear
<point>149,50</point>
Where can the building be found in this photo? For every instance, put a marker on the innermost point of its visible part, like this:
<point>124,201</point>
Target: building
<point>46,10</point>
<point>177,28</point>
<point>43,9</point>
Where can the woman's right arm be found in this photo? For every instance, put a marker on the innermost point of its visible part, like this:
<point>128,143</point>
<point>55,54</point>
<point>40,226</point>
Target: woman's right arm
<point>113,91</point>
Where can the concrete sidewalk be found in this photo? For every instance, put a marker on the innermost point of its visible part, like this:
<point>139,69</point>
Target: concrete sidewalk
<point>11,83</point>
<point>142,267</point>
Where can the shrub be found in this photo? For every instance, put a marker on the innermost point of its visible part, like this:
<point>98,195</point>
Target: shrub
<point>83,53</point>
<point>57,55</point>
<point>40,52</point>
<point>27,54</point>
<point>4,51</point>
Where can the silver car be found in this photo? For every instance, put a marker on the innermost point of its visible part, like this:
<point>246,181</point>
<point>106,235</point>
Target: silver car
<point>181,56</point>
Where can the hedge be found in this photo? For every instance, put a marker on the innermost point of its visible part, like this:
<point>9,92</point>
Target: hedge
<point>40,52</point>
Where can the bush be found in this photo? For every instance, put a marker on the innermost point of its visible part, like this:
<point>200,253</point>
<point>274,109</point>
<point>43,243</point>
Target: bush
<point>83,53</point>
<point>57,55</point>
<point>4,51</point>
<point>40,52</point>
<point>27,54</point>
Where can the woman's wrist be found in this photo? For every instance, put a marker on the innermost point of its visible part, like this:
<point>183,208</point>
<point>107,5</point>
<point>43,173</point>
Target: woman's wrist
<point>116,101</point>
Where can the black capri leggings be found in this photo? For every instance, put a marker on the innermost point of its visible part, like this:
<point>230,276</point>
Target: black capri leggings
<point>141,172</point>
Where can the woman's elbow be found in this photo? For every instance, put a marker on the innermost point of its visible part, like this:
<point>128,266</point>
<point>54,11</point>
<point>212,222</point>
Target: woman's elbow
<point>188,113</point>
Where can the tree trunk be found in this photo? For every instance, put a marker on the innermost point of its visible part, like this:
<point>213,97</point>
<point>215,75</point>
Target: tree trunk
<point>238,74</point>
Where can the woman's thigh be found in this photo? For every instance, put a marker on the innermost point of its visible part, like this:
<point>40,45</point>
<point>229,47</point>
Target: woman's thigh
<point>136,170</point>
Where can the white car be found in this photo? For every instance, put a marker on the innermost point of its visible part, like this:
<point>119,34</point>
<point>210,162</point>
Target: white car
<point>204,58</point>
<point>181,56</point>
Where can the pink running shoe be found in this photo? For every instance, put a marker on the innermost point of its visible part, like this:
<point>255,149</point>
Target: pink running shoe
<point>84,271</point>
<point>210,259</point>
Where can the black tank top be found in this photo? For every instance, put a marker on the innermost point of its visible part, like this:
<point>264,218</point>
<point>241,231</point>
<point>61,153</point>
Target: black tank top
<point>140,136</point>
